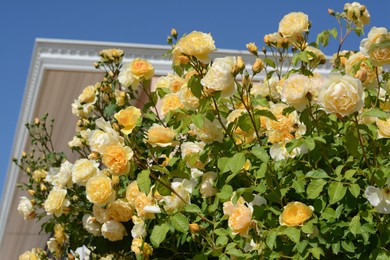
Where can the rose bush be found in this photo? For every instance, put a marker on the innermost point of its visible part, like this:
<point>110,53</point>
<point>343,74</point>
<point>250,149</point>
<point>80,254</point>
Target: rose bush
<point>221,161</point>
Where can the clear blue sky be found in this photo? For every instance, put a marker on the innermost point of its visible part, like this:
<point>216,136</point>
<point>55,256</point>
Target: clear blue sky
<point>231,23</point>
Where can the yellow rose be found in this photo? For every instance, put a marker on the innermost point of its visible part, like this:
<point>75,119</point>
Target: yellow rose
<point>128,118</point>
<point>295,214</point>
<point>188,99</point>
<point>357,13</point>
<point>383,128</point>
<point>56,201</point>
<point>110,55</point>
<point>196,44</point>
<point>294,24</point>
<point>170,102</point>
<point>99,189</point>
<point>120,210</point>
<point>116,159</point>
<point>140,247</point>
<point>342,95</point>
<point>59,234</point>
<point>113,230</point>
<point>190,153</point>
<point>100,214</point>
<point>252,48</point>
<point>219,77</point>
<point>316,59</point>
<point>276,40</point>
<point>88,95</point>
<point>82,170</point>
<point>294,91</point>
<point>240,219</point>
<point>160,136</point>
<point>240,135</point>
<point>38,175</point>
<point>377,45</point>
<point>29,255</point>
<point>132,192</point>
<point>210,131</point>
<point>142,201</point>
<point>358,67</point>
<point>141,68</point>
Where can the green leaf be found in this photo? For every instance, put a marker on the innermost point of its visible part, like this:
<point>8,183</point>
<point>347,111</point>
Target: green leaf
<point>223,164</point>
<point>225,193</point>
<point>269,62</point>
<point>317,174</point>
<point>260,153</point>
<point>236,162</point>
<point>352,142</point>
<point>260,173</point>
<point>158,234</point>
<point>355,226</point>
<point>200,257</point>
<point>271,239</point>
<point>314,188</point>
<point>333,32</point>
<point>180,222</point>
<point>235,252</point>
<point>110,110</point>
<point>336,192</point>
<point>160,169</point>
<point>265,113</point>
<point>197,120</point>
<point>348,246</point>
<point>310,143</point>
<point>317,252</point>
<point>376,112</point>
<point>293,234</point>
<point>336,248</point>
<point>195,86</point>
<point>144,181</point>
<point>354,189</point>
<point>308,227</point>
<point>222,240</point>
<point>192,208</point>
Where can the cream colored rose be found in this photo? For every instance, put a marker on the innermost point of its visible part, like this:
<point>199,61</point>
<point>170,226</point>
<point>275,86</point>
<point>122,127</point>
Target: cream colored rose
<point>190,153</point>
<point>116,159</point>
<point>197,44</point>
<point>316,83</point>
<point>127,79</point>
<point>207,188</point>
<point>88,95</point>
<point>383,128</point>
<point>295,214</point>
<point>210,131</point>
<point>294,24</point>
<point>141,248</point>
<point>56,201</point>
<point>341,95</point>
<point>138,229</point>
<point>160,136</point>
<point>145,206</point>
<point>100,213</point>
<point>113,230</point>
<point>128,118</point>
<point>99,140</point>
<point>61,177</point>
<point>92,225</point>
<point>170,102</point>
<point>29,255</point>
<point>219,77</point>
<point>82,170</point>
<point>132,192</point>
<point>188,99</point>
<point>120,210</point>
<point>26,208</point>
<point>279,152</point>
<point>358,67</point>
<point>54,247</point>
<point>357,13</point>
<point>240,219</point>
<point>183,187</point>
<point>377,46</point>
<point>294,91</point>
<point>99,190</point>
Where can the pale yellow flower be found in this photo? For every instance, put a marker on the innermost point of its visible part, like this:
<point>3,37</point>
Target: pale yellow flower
<point>160,136</point>
<point>128,118</point>
<point>88,95</point>
<point>26,208</point>
<point>29,255</point>
<point>100,213</point>
<point>110,55</point>
<point>276,40</point>
<point>211,131</point>
<point>113,230</point>
<point>116,159</point>
<point>132,192</point>
<point>91,224</point>
<point>377,46</point>
<point>294,91</point>
<point>82,170</point>
<point>140,247</point>
<point>240,219</point>
<point>294,24</point>
<point>170,102</point>
<point>56,201</point>
<point>358,67</point>
<point>357,13</point>
<point>295,214</point>
<point>120,210</point>
<point>383,128</point>
<point>99,189</point>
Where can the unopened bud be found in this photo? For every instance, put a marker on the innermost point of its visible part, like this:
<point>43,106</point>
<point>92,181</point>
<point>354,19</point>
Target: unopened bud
<point>331,12</point>
<point>252,48</point>
<point>239,66</point>
<point>264,50</point>
<point>361,75</point>
<point>174,33</point>
<point>43,187</point>
<point>66,210</point>
<point>116,126</point>
<point>183,59</point>
<point>111,73</point>
<point>194,228</point>
<point>24,154</point>
<point>114,179</point>
<point>36,121</point>
<point>31,192</point>
<point>94,156</point>
<point>258,66</point>
<point>96,65</point>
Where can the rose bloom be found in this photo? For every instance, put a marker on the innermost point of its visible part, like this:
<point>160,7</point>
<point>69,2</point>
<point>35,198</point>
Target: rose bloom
<point>316,59</point>
<point>38,175</point>
<point>145,206</point>
<point>342,95</point>
<point>219,77</point>
<point>82,170</point>
<point>184,188</point>
<point>357,13</point>
<point>207,188</point>
<point>56,201</point>
<point>240,219</point>
<point>120,210</point>
<point>276,40</point>
<point>99,189</point>
<point>240,136</point>
<point>92,225</point>
<point>26,208</point>
<point>126,78</point>
<point>140,247</point>
<point>160,136</point>
<point>279,152</point>
<point>383,128</point>
<point>358,67</point>
<point>113,230</point>
<point>100,140</point>
<point>294,91</point>
<point>295,214</point>
<point>379,198</point>
<point>100,213</point>
<point>116,159</point>
<point>141,69</point>
<point>29,255</point>
<point>59,234</point>
<point>138,229</point>
<point>294,24</point>
<point>171,81</point>
<point>210,131</point>
<point>128,118</point>
<point>197,44</point>
<point>188,99</point>
<point>88,95</point>
<point>190,153</point>
<point>316,82</point>
<point>170,102</point>
<point>377,46</point>
<point>132,192</point>
<point>61,177</point>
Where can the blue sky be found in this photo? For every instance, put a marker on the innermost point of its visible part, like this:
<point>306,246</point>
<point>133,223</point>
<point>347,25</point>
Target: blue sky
<point>231,23</point>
